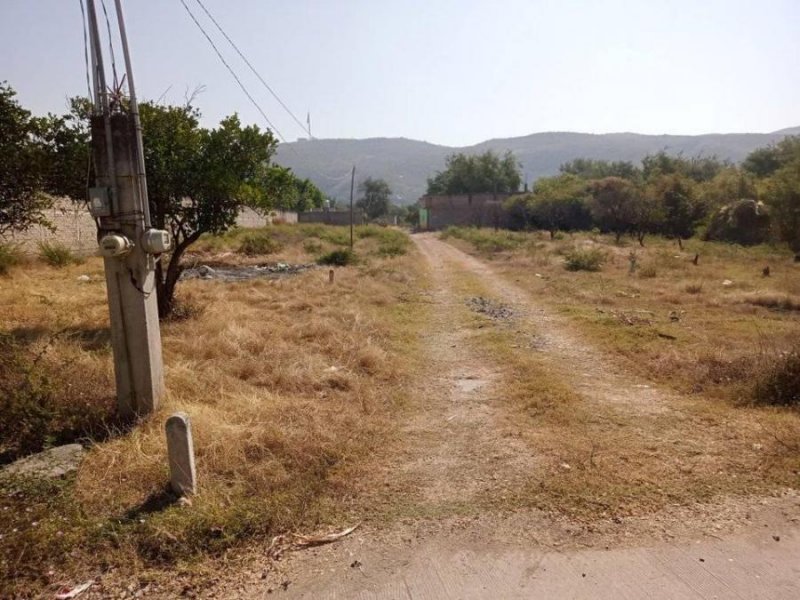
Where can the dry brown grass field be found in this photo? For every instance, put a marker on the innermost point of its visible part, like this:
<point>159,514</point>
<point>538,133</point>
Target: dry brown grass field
<point>289,382</point>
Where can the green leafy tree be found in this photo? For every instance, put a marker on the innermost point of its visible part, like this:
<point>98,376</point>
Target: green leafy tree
<point>727,186</point>
<point>679,209</point>
<point>374,201</point>
<point>697,168</point>
<point>587,168</point>
<point>65,143</point>
<point>476,174</point>
<point>615,205</point>
<point>309,196</point>
<point>763,162</point>
<point>198,180</point>
<point>559,204</point>
<point>22,204</point>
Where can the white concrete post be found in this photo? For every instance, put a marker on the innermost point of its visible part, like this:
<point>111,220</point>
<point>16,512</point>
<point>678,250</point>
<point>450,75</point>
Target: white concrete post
<point>180,448</point>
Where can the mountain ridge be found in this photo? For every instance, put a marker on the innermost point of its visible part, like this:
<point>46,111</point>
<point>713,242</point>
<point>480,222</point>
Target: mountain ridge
<point>406,163</point>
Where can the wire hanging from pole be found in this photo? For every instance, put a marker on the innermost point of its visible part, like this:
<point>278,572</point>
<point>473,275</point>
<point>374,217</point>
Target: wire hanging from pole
<point>253,69</point>
<point>111,48</point>
<point>86,51</point>
<point>232,72</point>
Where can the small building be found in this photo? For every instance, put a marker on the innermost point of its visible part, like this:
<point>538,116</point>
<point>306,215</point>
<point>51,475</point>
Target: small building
<point>463,210</point>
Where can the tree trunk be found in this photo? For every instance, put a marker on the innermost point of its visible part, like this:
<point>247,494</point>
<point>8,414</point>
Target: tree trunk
<point>167,281</point>
<point>680,243</point>
<point>618,236</point>
<point>640,237</point>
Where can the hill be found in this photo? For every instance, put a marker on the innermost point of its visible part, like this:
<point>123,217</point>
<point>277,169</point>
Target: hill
<point>406,164</point>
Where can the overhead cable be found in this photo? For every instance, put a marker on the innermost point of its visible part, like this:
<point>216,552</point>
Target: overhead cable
<point>232,72</point>
<point>253,69</point>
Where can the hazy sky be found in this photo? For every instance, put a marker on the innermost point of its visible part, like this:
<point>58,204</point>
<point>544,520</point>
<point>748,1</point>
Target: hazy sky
<point>449,72</point>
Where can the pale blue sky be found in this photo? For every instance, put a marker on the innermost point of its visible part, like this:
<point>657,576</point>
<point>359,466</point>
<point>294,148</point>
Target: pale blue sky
<point>445,71</point>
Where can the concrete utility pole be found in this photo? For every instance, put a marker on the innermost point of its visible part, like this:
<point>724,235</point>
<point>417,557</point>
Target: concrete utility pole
<point>118,201</point>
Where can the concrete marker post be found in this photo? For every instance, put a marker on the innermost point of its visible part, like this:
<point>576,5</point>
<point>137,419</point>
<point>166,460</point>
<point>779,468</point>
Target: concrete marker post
<point>180,448</point>
<point>330,276</point>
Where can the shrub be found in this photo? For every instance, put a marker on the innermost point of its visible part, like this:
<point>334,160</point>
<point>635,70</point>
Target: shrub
<point>779,384</point>
<point>39,396</point>
<point>9,257</point>
<point>338,258</point>
<point>255,244</point>
<point>56,255</point>
<point>590,259</point>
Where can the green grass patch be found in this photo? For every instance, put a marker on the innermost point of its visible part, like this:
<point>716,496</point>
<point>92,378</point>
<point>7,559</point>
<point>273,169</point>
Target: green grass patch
<point>57,255</point>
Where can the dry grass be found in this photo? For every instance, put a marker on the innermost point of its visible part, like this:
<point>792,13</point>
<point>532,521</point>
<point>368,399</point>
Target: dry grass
<point>722,332</point>
<point>290,383</point>
<point>602,461</point>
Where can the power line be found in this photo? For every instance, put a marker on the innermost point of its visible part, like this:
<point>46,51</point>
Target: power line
<point>86,51</point>
<point>232,72</point>
<point>253,69</point>
<point>110,44</point>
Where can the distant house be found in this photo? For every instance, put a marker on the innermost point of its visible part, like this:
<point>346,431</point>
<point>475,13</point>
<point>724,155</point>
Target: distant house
<point>464,210</point>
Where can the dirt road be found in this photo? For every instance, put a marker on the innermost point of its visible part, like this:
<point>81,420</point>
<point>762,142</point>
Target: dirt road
<point>460,453</point>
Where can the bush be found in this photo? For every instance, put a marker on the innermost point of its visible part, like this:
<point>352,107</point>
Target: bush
<point>338,258</point>
<point>255,244</point>
<point>779,385</point>
<point>56,254</point>
<point>590,259</point>
<point>9,257</point>
<point>48,401</point>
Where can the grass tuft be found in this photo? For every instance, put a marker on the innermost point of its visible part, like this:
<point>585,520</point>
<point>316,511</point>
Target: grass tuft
<point>584,259</point>
<point>57,255</point>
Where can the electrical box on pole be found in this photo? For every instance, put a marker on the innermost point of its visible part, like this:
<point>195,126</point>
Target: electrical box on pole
<point>128,244</point>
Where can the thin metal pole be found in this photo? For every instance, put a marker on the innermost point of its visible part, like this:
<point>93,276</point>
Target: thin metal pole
<point>352,183</point>
<point>134,109</point>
